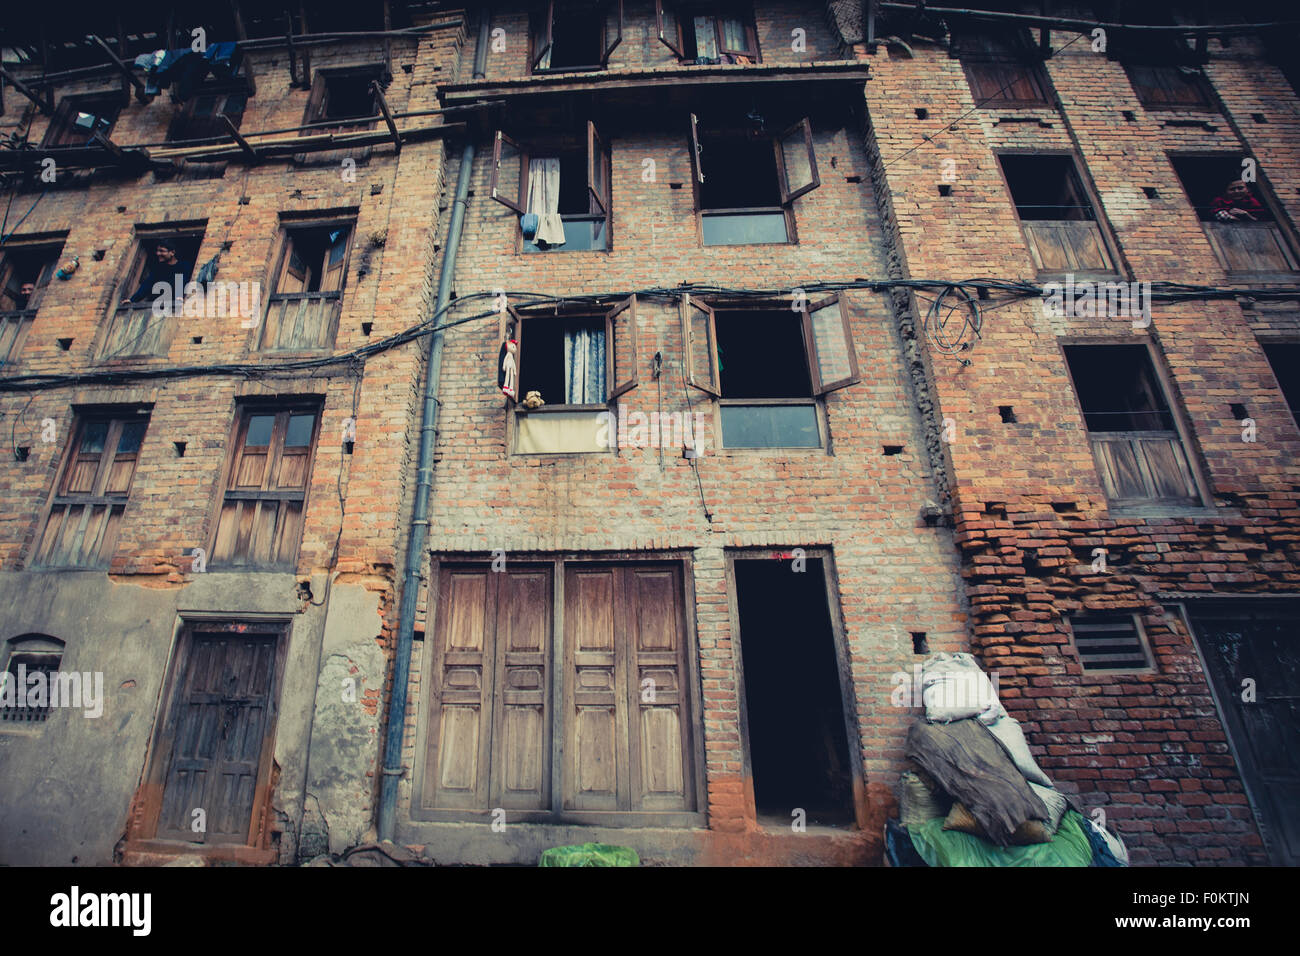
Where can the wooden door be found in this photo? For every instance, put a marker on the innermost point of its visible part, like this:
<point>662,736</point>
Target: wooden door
<point>222,718</point>
<point>490,714</point>
<point>626,713</point>
<point>1253,656</point>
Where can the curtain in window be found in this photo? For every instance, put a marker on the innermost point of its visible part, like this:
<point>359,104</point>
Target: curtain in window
<point>584,366</point>
<point>544,200</point>
<point>706,40</point>
<point>733,34</point>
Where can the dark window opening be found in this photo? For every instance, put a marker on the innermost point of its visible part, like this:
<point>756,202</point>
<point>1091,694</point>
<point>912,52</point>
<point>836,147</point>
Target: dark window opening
<point>303,311</point>
<point>201,116</point>
<point>1046,187</point>
<point>315,259</point>
<point>795,715</point>
<point>761,355</point>
<point>79,118</point>
<point>577,34</point>
<point>1117,388</point>
<point>565,360</point>
<point>739,173</point>
<point>1139,453</point>
<point>1209,182</point>
<point>1284,357</point>
<point>349,97</point>
<point>24,276</point>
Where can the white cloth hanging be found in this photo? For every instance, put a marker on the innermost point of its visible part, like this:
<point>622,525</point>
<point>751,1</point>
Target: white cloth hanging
<point>544,200</point>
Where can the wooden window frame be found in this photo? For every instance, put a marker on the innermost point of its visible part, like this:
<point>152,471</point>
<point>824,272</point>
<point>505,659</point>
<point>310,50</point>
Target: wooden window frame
<point>59,131</point>
<point>318,99</point>
<point>1199,82</point>
<point>1109,243</point>
<point>22,318</point>
<point>1020,55</point>
<point>559,563</point>
<point>135,267</point>
<point>276,298</point>
<point>142,826</point>
<point>1196,469</point>
<point>117,418</point>
<point>788,195</point>
<point>844,672</point>
<point>1286,232</point>
<point>599,160</point>
<point>244,412</point>
<point>179,128</point>
<point>1267,341</point>
<point>674,39</point>
<point>538,50</point>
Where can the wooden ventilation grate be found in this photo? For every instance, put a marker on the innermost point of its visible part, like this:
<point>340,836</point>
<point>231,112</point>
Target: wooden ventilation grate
<point>1111,643</point>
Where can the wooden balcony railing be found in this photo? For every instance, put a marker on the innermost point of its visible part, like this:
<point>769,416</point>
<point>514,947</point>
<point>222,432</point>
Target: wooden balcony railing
<point>81,532</point>
<point>301,321</point>
<point>1146,467</point>
<point>1250,246</point>
<point>1067,245</point>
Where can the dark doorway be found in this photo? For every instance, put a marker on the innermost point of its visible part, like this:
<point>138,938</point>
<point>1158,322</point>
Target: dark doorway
<point>798,745</point>
<point>1252,654</point>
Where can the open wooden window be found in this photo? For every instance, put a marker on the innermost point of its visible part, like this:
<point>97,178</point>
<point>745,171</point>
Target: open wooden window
<point>577,36</point>
<point>79,119</point>
<point>260,522</point>
<point>708,32</point>
<point>1139,452</point>
<point>746,181</point>
<point>571,174</point>
<point>1003,68</point>
<point>1056,215</point>
<point>25,271</point>
<point>144,315</point>
<point>767,365</point>
<point>85,511</point>
<point>620,699</point>
<point>1237,216</point>
<point>303,310</point>
<point>200,117</point>
<point>343,94</point>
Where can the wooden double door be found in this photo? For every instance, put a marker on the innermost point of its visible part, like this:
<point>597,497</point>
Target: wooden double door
<point>562,691</point>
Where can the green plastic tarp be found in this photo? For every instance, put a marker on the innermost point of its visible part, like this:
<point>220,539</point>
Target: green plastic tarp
<point>940,847</point>
<point>590,854</point>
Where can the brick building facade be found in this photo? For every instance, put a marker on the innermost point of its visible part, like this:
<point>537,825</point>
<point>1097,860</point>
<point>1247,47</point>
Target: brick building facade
<point>805,418</point>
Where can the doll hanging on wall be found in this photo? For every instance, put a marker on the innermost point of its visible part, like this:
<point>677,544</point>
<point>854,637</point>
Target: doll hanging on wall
<point>508,375</point>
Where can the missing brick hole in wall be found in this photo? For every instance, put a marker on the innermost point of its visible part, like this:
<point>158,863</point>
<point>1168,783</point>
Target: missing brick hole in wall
<point>1239,411</point>
<point>1007,413</point>
<point>892,449</point>
<point>919,643</point>
<point>1064,507</point>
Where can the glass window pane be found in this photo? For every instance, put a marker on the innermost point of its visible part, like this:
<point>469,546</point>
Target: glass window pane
<point>259,431</point>
<point>93,437</point>
<point>706,40</point>
<point>299,435</point>
<point>831,346</point>
<point>750,228</point>
<point>770,426</point>
<point>794,151</point>
<point>132,436</point>
<point>580,235</point>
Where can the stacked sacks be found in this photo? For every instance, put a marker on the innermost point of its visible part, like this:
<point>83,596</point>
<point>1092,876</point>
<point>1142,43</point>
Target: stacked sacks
<point>977,796</point>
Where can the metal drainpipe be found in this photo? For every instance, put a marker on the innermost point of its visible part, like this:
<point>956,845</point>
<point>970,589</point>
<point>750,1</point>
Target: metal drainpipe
<point>484,34</point>
<point>392,764</point>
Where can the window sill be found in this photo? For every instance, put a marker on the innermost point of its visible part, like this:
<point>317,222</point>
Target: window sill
<point>1163,510</point>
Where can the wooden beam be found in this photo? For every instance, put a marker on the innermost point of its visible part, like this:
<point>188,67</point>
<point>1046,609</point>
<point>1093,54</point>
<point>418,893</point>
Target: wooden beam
<point>388,43</point>
<point>45,105</point>
<point>127,72</point>
<point>241,34</point>
<point>306,53</point>
<point>293,54</point>
<point>243,143</point>
<point>388,115</point>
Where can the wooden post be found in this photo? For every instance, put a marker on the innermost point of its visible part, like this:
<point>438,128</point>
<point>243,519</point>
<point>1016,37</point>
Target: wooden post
<point>388,116</point>
<point>243,143</point>
<point>306,51</point>
<point>293,54</point>
<point>45,104</point>
<point>388,42</point>
<point>241,35</point>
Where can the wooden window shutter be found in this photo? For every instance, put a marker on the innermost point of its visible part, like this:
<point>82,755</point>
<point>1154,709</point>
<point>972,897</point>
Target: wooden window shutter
<point>506,152</point>
<point>669,34</point>
<point>697,160</point>
<point>334,266</point>
<point>599,166</point>
<point>620,348</point>
<point>317,102</point>
<point>796,161</point>
<point>617,12</point>
<point>700,340</point>
<point>829,343</point>
<point>545,37</point>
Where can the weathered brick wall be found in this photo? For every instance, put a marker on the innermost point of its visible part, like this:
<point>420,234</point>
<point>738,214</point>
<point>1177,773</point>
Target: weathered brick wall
<point>895,575</point>
<point>1149,749</point>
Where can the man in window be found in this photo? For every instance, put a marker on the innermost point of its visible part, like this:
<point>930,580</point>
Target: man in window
<point>164,268</point>
<point>1237,204</point>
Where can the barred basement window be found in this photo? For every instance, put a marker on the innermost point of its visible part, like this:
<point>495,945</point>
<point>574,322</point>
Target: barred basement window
<point>302,313</point>
<point>1110,643</point>
<point>260,523</point>
<point>28,655</point>
<point>86,510</point>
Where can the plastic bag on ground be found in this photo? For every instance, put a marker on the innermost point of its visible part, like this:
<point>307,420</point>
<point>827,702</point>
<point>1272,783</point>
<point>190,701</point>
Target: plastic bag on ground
<point>590,854</point>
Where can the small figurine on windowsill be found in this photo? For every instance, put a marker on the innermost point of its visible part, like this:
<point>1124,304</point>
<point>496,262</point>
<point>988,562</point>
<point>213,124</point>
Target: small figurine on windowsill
<point>533,400</point>
<point>508,375</point>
